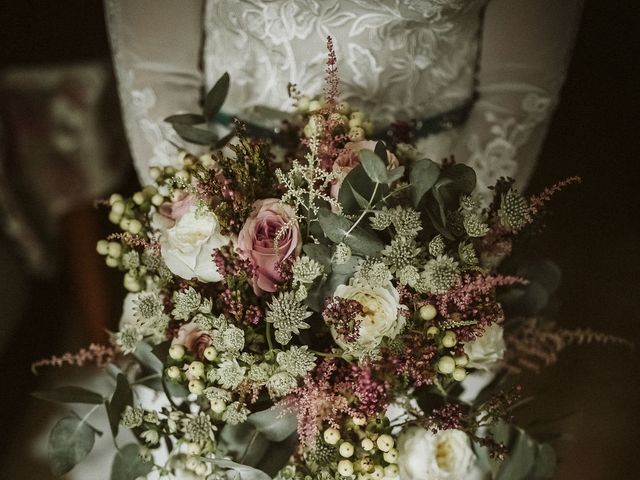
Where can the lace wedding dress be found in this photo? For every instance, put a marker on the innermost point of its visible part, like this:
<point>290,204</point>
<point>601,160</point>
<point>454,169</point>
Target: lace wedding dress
<point>398,59</point>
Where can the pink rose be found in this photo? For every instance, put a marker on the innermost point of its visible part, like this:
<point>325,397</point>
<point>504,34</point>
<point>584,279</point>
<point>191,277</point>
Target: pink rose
<point>257,241</point>
<point>194,339</point>
<point>348,160</point>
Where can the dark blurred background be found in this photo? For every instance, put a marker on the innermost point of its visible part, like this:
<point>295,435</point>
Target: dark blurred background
<point>63,296</point>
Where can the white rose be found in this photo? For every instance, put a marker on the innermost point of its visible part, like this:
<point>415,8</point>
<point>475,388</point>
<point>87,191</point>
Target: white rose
<point>446,455</point>
<point>187,246</point>
<point>379,319</point>
<point>485,351</point>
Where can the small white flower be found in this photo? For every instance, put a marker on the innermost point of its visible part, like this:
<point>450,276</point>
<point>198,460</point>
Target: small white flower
<point>485,351</point>
<point>423,455</point>
<point>188,245</point>
<point>380,316</point>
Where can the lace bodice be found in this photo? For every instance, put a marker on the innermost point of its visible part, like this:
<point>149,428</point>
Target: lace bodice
<point>398,59</point>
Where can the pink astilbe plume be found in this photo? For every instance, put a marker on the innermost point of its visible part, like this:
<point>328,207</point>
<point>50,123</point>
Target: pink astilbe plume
<point>415,363</point>
<point>316,402</point>
<point>344,315</point>
<point>537,202</point>
<point>97,354</point>
<point>470,305</point>
<point>371,392</point>
<point>135,241</point>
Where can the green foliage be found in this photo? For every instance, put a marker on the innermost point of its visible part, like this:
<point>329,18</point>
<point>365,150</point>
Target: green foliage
<point>356,187</point>
<point>185,124</point>
<point>275,424</point>
<point>122,396</point>
<point>128,465</point>
<point>70,441</point>
<point>70,394</point>
<point>341,229</point>
<point>373,166</point>
<point>423,176</point>
<point>216,97</point>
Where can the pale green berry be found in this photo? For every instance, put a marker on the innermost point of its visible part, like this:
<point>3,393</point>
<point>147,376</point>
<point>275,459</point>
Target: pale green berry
<point>131,283</point>
<point>446,365</point>
<point>345,468</point>
<point>354,123</point>
<point>385,442</point>
<point>218,406</point>
<point>114,249</point>
<point>196,369</point>
<point>138,198</point>
<point>210,353</point>
<point>118,207</point>
<point>176,351</point>
<point>196,386</point>
<point>115,197</point>
<point>449,339</point>
<point>157,200</point>
<point>367,444</point>
<point>432,331</point>
<point>102,247</point>
<point>459,374</point>
<point>378,473</point>
<point>356,134</point>
<point>111,262</point>
<point>331,436</point>
<point>346,449</point>
<point>314,106</point>
<point>174,373</point>
<point>359,420</point>
<point>391,456</point>
<point>135,226</point>
<point>462,360</point>
<point>303,104</point>
<point>391,471</point>
<point>428,312</point>
<point>115,217</point>
<point>201,470</point>
<point>154,173</point>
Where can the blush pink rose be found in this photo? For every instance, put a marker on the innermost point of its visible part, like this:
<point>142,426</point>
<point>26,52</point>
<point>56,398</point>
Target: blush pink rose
<point>257,241</point>
<point>348,160</point>
<point>193,338</point>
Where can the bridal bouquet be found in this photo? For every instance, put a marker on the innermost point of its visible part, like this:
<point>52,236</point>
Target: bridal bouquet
<point>329,308</point>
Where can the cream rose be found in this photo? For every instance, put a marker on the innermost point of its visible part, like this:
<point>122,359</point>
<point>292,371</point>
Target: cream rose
<point>485,351</point>
<point>423,455</point>
<point>380,316</point>
<point>187,240</point>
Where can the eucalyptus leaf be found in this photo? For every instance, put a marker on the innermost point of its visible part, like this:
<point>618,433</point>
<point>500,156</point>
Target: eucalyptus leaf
<point>195,135</point>
<point>358,180</point>
<point>318,252</point>
<point>161,352</point>
<point>244,443</point>
<point>381,151</point>
<point>275,424</point>
<point>148,357</point>
<point>216,96</point>
<point>70,441</point>
<point>70,394</point>
<point>374,166</point>
<point>127,464</point>
<point>463,177</point>
<point>122,396</point>
<point>423,176</point>
<point>362,202</point>
<point>243,472</point>
<point>339,229</point>
<point>396,174</point>
<point>185,119</point>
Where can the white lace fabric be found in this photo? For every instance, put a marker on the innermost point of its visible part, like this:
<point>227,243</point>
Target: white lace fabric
<point>397,59</point>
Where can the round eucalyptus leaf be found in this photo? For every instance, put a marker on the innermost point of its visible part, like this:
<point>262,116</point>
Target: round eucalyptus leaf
<point>70,441</point>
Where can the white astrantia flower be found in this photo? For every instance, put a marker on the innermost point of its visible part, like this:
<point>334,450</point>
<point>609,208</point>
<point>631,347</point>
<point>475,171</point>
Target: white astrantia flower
<point>380,316</point>
<point>187,246</point>
<point>423,455</point>
<point>485,351</point>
